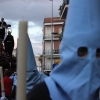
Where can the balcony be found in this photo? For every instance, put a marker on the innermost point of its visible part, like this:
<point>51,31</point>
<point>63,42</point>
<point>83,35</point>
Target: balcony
<point>63,9</point>
<point>47,53</point>
<point>47,68</point>
<point>49,37</point>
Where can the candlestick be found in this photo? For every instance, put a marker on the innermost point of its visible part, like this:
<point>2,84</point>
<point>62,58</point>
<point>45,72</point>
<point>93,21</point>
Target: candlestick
<point>22,61</point>
<point>2,83</point>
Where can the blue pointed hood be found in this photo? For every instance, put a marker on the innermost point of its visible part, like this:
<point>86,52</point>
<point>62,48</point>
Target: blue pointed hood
<point>33,76</point>
<point>76,77</point>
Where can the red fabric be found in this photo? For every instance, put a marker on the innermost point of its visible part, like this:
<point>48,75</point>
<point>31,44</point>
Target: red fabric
<point>7,85</point>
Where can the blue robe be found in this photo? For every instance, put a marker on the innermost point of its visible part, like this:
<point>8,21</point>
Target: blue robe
<point>33,75</point>
<point>78,78</point>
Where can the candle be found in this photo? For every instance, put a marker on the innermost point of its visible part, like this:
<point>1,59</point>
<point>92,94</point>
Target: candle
<point>22,61</point>
<point>2,83</point>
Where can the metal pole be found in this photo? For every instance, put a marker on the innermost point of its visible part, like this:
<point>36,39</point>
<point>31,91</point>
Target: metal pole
<point>52,36</point>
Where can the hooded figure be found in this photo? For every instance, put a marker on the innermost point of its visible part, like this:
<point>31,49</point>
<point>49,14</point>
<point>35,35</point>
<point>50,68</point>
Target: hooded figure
<point>33,76</point>
<point>77,77</point>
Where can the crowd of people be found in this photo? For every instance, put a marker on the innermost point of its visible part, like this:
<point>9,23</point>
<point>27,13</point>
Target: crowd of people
<point>77,77</point>
<point>7,61</point>
<point>10,79</point>
<point>6,45</point>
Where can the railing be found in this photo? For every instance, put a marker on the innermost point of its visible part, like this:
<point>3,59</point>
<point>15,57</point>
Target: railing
<point>62,6</point>
<point>47,67</point>
<point>48,52</point>
<point>49,37</point>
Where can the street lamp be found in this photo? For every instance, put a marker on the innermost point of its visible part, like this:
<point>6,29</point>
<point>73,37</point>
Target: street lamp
<point>52,35</point>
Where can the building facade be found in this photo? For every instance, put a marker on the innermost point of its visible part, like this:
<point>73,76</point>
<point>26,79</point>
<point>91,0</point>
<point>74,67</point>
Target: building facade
<point>47,31</point>
<point>63,9</point>
<point>38,64</point>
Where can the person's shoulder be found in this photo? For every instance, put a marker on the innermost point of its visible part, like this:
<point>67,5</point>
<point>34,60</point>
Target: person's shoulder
<point>4,22</point>
<point>12,35</point>
<point>9,36</point>
<point>10,79</point>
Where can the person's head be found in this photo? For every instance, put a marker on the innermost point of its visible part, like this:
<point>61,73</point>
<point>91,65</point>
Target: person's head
<point>9,33</point>
<point>7,73</point>
<point>2,19</point>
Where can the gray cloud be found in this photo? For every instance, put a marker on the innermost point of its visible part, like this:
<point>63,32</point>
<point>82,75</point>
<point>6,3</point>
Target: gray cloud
<point>31,10</point>
<point>37,38</point>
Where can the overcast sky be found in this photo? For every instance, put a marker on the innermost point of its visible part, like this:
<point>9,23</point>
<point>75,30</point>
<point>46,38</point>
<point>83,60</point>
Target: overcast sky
<point>34,11</point>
